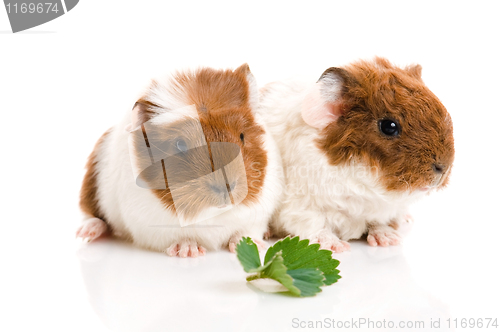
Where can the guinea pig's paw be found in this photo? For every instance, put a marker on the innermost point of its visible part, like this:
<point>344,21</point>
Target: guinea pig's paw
<point>185,249</point>
<point>235,239</point>
<point>328,240</point>
<point>91,229</point>
<point>382,235</point>
<point>335,245</point>
<point>268,234</point>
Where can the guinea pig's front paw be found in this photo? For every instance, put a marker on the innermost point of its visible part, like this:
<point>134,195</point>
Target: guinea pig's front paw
<point>235,239</point>
<point>382,235</point>
<point>91,229</point>
<point>185,248</point>
<point>328,240</point>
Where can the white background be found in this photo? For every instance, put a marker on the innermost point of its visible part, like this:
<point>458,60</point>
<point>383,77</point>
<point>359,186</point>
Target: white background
<point>64,83</point>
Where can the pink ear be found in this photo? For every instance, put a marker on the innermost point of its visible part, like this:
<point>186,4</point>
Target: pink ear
<point>318,112</point>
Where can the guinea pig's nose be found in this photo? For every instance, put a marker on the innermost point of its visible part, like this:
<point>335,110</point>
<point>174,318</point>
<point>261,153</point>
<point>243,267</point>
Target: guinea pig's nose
<point>438,168</point>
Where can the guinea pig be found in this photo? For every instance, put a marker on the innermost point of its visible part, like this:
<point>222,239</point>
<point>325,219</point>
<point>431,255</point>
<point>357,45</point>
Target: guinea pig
<point>358,147</point>
<point>192,168</point>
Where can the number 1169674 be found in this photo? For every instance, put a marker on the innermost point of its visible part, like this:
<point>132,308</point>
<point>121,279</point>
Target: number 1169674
<point>472,323</point>
<point>32,8</point>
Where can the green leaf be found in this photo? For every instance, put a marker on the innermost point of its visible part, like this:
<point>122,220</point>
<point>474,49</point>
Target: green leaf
<point>277,270</point>
<point>300,255</point>
<point>308,281</point>
<point>248,254</point>
<point>302,268</point>
<point>302,282</point>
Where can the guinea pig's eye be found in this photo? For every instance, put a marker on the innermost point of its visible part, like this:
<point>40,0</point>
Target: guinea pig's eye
<point>242,138</point>
<point>389,127</point>
<point>181,145</point>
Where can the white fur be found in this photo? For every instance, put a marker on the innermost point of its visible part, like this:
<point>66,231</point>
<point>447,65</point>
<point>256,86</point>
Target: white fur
<point>137,214</point>
<point>321,201</point>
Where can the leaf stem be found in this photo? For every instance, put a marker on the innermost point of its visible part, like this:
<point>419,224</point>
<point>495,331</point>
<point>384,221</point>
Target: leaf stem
<point>254,276</point>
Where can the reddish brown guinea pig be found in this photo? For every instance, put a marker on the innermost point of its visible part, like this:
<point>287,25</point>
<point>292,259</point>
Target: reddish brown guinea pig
<point>358,147</point>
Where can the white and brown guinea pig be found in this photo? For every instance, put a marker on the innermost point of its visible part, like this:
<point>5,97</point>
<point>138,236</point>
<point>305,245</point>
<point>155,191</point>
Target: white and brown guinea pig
<point>358,146</point>
<point>191,168</point>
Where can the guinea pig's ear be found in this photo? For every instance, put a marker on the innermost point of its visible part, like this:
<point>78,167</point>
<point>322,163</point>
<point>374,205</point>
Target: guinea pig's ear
<point>415,71</point>
<point>324,102</point>
<point>253,90</point>
<point>139,115</point>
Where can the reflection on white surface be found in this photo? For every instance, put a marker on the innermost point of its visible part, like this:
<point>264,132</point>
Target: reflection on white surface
<point>136,290</point>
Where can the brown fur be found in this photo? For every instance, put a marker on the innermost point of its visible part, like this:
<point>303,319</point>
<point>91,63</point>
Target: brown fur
<point>145,112</point>
<point>223,103</point>
<point>214,90</point>
<point>88,193</point>
<point>377,90</point>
